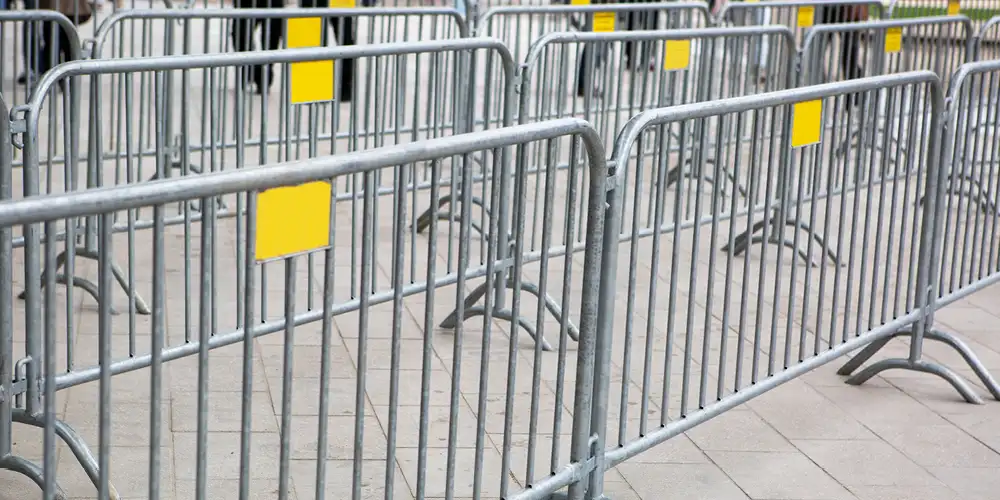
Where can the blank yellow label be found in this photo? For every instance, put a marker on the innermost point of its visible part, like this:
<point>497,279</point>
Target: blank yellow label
<point>292,220</point>
<point>677,55</point>
<point>310,81</point>
<point>604,22</point>
<point>304,32</point>
<point>343,4</point>
<point>954,7</point>
<point>806,123</point>
<point>893,40</point>
<point>806,16</point>
<point>579,2</point>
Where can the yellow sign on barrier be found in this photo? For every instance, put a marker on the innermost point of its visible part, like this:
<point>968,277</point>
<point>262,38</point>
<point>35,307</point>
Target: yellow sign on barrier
<point>292,220</point>
<point>954,7</point>
<point>806,17</point>
<point>677,55</point>
<point>806,123</point>
<point>893,40</point>
<point>311,81</point>
<point>343,4</point>
<point>579,2</point>
<point>604,22</point>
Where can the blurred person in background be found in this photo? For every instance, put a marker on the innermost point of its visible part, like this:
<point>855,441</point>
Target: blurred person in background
<point>850,42</point>
<point>272,30</point>
<point>345,33</point>
<point>635,57</point>
<point>54,46</point>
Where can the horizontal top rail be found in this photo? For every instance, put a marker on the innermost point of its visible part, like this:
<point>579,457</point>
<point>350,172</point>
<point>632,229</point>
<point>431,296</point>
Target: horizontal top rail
<point>967,70</point>
<point>283,13</point>
<point>889,23</point>
<point>111,199</point>
<point>203,61</point>
<point>565,37</point>
<point>631,131</point>
<point>732,6</point>
<point>609,7</point>
<point>108,25</point>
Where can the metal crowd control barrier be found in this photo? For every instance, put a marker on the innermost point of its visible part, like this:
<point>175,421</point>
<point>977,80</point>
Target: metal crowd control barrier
<point>966,256</point>
<point>701,331</point>
<point>675,67</point>
<point>696,66</point>
<point>144,33</point>
<point>520,27</point>
<point>31,28</point>
<point>397,373</point>
<point>608,77</point>
<point>985,47</point>
<point>306,118</point>
<point>979,11</point>
<point>834,52</point>
<point>161,32</point>
<point>799,15</point>
<point>848,51</point>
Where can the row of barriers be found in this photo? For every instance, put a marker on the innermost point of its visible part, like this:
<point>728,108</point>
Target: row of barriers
<point>886,190</point>
<point>403,92</point>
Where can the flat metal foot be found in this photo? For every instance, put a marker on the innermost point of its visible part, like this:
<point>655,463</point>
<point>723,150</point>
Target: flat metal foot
<point>424,220</point>
<point>748,238</point>
<point>137,301</point>
<point>31,471</point>
<point>960,385</point>
<point>76,445</point>
<point>471,310</point>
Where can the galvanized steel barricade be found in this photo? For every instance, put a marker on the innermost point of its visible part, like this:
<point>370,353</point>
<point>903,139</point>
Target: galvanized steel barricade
<point>161,32</point>
<point>987,42</point>
<point>695,65</point>
<point>7,459</point>
<point>979,11</point>
<point>799,15</point>
<point>22,34</point>
<point>606,86</point>
<point>966,252</point>
<point>520,27</point>
<point>835,52</point>
<point>222,129</point>
<point>699,330</point>
<point>601,78</point>
<point>409,379</point>
<point>145,33</point>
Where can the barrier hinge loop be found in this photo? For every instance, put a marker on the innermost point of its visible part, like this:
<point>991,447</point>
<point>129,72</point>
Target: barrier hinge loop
<point>18,126</point>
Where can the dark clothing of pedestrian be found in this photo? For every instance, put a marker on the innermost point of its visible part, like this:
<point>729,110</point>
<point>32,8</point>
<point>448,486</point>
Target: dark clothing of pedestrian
<point>850,41</point>
<point>272,30</point>
<point>343,29</point>
<point>634,21</point>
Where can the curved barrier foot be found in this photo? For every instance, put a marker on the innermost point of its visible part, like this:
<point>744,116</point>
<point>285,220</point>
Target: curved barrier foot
<point>960,385</point>
<point>75,443</point>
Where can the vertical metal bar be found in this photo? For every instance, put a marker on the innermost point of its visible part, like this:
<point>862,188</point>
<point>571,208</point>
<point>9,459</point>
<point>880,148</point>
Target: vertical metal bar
<point>286,380</point>
<point>6,289</point>
<point>49,439</point>
<point>367,228</point>
<point>205,307</point>
<point>104,357</point>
